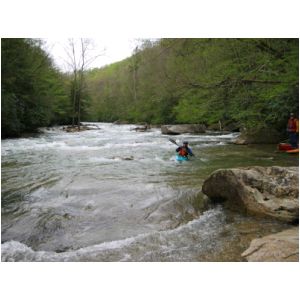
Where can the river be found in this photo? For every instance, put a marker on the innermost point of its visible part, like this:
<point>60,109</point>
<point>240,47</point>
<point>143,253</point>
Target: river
<point>114,194</point>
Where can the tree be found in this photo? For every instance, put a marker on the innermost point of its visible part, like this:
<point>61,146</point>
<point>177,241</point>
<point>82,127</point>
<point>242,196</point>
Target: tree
<point>31,87</point>
<point>79,60</point>
<point>249,82</point>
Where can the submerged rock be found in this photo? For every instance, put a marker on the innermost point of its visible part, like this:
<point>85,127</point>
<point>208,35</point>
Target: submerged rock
<point>82,128</point>
<point>142,128</point>
<point>282,246</point>
<point>263,191</point>
<point>183,128</point>
<point>123,157</point>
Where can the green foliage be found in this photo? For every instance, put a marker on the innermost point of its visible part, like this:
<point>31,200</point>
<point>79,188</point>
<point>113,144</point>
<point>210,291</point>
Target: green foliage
<point>250,82</point>
<point>253,82</point>
<point>32,91</point>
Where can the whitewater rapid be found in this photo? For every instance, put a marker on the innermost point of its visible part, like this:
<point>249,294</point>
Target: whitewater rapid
<point>109,194</point>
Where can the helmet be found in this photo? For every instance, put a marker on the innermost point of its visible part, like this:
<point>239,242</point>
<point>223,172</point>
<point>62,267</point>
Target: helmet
<point>185,143</point>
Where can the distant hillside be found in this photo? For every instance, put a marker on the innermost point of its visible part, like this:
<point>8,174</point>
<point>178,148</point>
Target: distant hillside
<point>251,82</point>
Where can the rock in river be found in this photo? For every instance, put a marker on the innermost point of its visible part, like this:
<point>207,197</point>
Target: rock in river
<point>261,136</point>
<point>282,246</point>
<point>182,128</point>
<point>264,191</point>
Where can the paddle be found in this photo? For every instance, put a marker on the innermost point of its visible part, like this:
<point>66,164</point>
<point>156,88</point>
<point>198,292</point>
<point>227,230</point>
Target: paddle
<point>173,141</point>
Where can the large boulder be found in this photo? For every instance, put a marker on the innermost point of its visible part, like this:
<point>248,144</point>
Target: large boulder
<point>263,191</point>
<point>282,246</point>
<point>261,136</point>
<point>182,128</point>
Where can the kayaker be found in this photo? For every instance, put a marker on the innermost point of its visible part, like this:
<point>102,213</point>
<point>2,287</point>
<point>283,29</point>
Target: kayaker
<point>293,131</point>
<point>185,150</point>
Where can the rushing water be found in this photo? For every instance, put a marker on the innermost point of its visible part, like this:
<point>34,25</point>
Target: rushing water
<point>114,194</point>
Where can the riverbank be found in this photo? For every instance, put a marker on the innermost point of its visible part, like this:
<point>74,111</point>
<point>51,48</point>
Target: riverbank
<point>270,192</point>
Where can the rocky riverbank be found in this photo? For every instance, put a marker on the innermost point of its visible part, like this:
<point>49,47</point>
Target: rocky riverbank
<point>267,192</point>
<point>261,136</point>
<point>282,246</point>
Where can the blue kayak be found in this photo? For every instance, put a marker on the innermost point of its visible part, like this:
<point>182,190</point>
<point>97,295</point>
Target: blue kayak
<point>181,158</point>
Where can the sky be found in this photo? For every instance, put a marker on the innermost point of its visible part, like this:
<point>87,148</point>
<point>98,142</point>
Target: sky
<point>105,50</point>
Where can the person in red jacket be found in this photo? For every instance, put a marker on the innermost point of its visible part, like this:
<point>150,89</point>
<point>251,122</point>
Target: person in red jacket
<point>293,131</point>
<point>185,150</point>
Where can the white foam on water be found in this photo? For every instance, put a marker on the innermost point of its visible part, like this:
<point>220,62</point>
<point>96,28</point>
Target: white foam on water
<point>17,251</point>
<point>63,172</point>
<point>157,245</point>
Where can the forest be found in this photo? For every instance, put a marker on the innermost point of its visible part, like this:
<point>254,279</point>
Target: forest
<point>250,83</point>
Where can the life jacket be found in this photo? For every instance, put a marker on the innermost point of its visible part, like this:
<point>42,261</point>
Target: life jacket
<point>183,151</point>
<point>293,125</point>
